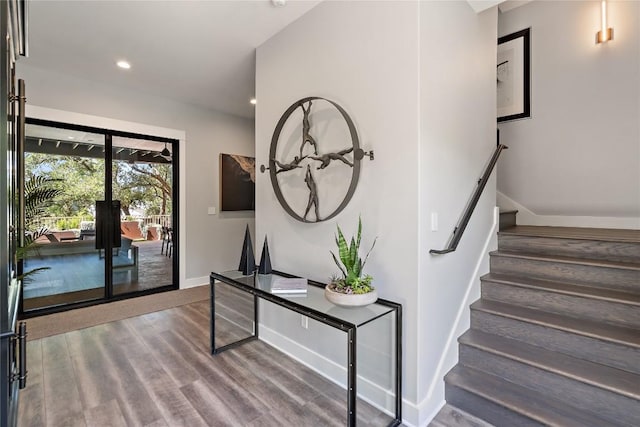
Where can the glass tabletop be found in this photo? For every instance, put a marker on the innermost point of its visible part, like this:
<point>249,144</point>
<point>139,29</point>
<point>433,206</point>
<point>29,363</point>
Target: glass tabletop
<point>313,299</point>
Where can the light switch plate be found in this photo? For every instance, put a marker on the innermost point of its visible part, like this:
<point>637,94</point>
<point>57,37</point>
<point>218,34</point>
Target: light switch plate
<point>211,210</point>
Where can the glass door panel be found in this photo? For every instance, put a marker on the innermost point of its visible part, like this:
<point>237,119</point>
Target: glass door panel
<point>142,181</point>
<point>64,175</point>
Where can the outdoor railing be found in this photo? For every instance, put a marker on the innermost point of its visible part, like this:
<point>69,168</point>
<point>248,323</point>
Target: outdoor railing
<point>61,223</point>
<point>163,220</point>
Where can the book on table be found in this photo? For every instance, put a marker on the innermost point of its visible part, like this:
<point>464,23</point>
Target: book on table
<point>283,285</point>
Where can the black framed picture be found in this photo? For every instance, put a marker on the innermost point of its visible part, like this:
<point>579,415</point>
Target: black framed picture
<point>513,72</point>
<point>237,182</point>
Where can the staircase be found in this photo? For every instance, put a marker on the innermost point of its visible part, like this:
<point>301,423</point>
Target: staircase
<point>555,336</point>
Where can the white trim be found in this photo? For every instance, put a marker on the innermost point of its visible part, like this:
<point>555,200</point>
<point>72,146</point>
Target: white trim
<point>195,281</point>
<point>459,327</point>
<point>377,396</point>
<point>528,217</point>
<point>479,6</point>
<point>70,117</point>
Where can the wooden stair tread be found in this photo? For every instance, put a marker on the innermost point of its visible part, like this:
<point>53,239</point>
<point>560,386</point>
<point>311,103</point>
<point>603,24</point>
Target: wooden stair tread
<point>519,399</point>
<point>570,260</point>
<point>601,234</point>
<point>595,374</point>
<point>602,331</point>
<point>585,291</point>
<point>451,416</point>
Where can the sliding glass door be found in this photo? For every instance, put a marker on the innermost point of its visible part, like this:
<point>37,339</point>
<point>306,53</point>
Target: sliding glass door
<point>142,180</point>
<point>101,220</point>
<point>64,176</point>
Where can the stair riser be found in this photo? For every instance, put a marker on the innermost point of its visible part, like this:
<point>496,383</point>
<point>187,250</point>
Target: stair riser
<point>507,220</point>
<point>485,409</point>
<point>584,249</point>
<point>571,305</point>
<point>587,348</point>
<point>598,401</point>
<point>605,277</point>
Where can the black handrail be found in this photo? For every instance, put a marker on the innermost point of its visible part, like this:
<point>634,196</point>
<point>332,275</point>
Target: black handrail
<point>464,221</point>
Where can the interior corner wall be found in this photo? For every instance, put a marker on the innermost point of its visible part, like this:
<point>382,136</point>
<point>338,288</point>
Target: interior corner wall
<point>579,153</point>
<point>364,56</point>
<point>211,242</point>
<point>458,136</point>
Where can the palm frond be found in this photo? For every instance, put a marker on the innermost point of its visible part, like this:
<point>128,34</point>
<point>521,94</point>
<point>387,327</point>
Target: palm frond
<point>27,276</point>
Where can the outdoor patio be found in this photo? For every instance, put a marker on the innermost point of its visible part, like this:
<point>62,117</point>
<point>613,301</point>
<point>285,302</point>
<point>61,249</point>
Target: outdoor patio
<point>80,277</point>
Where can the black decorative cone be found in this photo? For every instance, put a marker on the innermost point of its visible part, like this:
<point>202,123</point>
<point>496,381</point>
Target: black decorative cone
<point>247,260</point>
<point>265,260</point>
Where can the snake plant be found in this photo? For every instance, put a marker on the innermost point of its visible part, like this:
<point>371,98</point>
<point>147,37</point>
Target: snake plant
<point>351,265</point>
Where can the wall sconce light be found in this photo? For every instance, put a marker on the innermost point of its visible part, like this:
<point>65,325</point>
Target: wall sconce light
<point>605,34</point>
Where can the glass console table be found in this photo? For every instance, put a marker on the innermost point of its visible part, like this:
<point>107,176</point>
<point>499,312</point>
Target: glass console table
<point>315,306</point>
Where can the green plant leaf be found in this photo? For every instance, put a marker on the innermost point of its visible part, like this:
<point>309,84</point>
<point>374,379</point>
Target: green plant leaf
<point>357,268</point>
<point>343,250</point>
<point>367,257</point>
<point>26,277</point>
<point>353,253</point>
<point>359,232</point>
<point>338,264</point>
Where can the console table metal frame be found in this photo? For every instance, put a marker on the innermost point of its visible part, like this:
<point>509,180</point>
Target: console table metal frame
<point>326,319</point>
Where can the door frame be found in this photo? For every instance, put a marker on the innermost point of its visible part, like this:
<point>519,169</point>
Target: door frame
<point>177,202</point>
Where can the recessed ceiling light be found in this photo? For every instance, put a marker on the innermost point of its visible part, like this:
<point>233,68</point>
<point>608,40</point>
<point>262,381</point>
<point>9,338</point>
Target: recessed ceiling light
<point>253,101</point>
<point>123,64</point>
<point>278,3</point>
<point>71,137</point>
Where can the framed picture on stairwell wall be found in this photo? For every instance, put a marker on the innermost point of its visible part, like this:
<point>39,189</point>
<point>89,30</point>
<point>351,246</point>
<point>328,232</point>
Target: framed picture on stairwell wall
<point>513,73</point>
<point>237,182</point>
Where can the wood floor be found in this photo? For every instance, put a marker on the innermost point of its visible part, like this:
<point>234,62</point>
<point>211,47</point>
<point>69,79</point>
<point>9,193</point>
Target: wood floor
<point>156,370</point>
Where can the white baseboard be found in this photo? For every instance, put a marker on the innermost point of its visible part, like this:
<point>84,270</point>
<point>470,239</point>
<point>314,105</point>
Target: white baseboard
<point>195,281</point>
<point>527,217</point>
<point>377,396</point>
<point>429,407</point>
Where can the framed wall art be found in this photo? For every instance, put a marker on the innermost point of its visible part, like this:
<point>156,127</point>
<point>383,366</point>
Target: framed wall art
<point>237,183</point>
<point>513,76</point>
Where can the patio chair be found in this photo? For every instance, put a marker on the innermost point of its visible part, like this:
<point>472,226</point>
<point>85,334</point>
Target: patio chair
<point>169,241</point>
<point>164,236</point>
<point>131,230</point>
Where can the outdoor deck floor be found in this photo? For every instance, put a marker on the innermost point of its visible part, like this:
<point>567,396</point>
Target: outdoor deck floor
<point>80,277</point>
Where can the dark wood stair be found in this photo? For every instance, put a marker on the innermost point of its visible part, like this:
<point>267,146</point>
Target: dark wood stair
<point>555,336</point>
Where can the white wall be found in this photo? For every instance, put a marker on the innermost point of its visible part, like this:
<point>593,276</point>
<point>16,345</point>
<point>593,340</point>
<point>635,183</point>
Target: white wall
<point>401,70</point>
<point>210,242</point>
<point>579,153</point>
<point>458,136</point>
<point>364,56</point>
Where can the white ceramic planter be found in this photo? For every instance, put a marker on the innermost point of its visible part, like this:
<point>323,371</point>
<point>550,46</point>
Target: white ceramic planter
<point>350,300</point>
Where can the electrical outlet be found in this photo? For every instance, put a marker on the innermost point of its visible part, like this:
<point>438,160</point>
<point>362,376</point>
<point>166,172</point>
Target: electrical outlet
<point>304,322</point>
<point>434,221</point>
<point>211,210</point>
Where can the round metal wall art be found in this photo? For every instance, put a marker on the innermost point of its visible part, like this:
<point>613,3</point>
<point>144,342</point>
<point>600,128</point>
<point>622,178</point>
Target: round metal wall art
<point>311,154</point>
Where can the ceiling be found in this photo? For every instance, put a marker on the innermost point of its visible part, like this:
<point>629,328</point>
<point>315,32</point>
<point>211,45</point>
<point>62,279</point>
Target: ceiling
<point>198,52</point>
